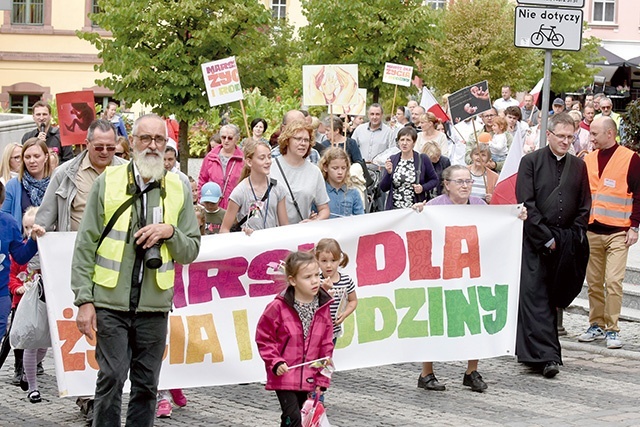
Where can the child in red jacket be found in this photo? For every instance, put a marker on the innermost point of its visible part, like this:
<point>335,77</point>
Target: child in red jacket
<point>296,327</point>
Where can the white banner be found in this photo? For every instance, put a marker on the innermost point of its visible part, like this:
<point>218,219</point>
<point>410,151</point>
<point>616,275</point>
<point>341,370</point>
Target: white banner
<point>433,286</point>
<point>222,81</point>
<point>397,74</point>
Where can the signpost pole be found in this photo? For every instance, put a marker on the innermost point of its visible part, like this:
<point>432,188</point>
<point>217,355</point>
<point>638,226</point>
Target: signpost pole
<point>546,87</point>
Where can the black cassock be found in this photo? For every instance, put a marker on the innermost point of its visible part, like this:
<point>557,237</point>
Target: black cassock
<point>539,174</point>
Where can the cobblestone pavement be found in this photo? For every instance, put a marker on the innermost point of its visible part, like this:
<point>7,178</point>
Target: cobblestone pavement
<point>596,387</point>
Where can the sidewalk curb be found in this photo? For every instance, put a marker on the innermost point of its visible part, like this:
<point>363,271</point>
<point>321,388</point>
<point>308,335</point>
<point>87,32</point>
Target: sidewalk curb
<point>577,346</point>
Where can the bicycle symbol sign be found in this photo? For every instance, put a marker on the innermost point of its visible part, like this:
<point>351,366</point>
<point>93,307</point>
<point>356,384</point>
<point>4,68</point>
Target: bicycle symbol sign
<point>548,34</point>
<point>548,28</point>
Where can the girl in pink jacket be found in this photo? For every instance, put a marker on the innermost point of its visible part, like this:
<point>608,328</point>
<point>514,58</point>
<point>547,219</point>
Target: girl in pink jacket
<point>296,327</point>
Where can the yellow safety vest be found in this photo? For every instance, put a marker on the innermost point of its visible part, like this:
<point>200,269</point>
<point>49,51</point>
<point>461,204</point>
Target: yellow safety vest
<point>611,203</point>
<point>111,251</point>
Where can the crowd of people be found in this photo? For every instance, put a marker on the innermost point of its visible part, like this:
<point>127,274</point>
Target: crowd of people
<point>580,194</point>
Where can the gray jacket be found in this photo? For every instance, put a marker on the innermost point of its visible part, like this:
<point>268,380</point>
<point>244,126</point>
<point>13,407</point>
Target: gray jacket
<point>54,213</point>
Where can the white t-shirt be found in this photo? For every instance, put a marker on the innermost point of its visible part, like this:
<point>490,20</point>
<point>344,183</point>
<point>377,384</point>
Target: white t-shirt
<point>262,214</point>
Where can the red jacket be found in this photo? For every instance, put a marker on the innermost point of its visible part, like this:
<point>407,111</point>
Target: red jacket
<point>14,282</point>
<point>211,171</point>
<point>280,339</point>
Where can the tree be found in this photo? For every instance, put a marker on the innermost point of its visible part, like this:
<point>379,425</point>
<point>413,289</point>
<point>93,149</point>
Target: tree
<point>367,33</point>
<point>570,70</point>
<point>157,47</point>
<point>475,43</point>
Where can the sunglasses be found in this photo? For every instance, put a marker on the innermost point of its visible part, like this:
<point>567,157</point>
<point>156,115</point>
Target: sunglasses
<point>101,148</point>
<point>120,154</point>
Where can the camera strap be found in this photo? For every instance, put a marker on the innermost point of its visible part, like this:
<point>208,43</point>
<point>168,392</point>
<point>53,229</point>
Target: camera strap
<point>123,207</point>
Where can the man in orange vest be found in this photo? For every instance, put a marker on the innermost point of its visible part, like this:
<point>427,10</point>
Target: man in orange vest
<point>614,178</point>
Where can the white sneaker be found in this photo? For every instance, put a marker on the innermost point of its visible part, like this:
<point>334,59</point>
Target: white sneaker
<point>594,332</point>
<point>613,340</point>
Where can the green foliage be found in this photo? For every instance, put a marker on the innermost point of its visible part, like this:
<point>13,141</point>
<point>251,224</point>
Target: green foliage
<point>474,43</point>
<point>201,131</point>
<point>569,70</point>
<point>158,46</point>
<point>631,120</point>
<point>368,34</point>
<point>257,105</point>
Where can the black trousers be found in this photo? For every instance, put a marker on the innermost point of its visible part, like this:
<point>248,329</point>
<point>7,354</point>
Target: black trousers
<point>134,343</point>
<point>291,403</point>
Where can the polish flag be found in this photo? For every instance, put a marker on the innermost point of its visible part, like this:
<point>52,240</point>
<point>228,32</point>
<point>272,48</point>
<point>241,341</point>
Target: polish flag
<point>535,92</point>
<point>505,191</point>
<point>430,104</point>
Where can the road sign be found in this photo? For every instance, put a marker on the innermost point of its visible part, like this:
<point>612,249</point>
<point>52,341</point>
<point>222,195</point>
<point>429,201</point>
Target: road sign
<point>548,28</point>
<point>556,3</point>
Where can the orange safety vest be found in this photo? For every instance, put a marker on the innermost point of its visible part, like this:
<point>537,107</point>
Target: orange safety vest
<point>611,202</point>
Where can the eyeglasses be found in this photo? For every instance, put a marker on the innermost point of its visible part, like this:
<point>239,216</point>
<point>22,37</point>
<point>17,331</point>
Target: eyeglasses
<point>225,137</point>
<point>605,107</point>
<point>146,139</point>
<point>461,181</point>
<point>16,157</point>
<point>562,137</point>
<point>300,139</point>
<point>101,148</point>
<point>120,154</point>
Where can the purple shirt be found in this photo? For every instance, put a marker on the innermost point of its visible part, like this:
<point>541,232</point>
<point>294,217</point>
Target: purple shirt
<point>445,200</point>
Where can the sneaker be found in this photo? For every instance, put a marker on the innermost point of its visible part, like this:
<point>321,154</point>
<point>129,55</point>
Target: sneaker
<point>16,377</point>
<point>551,369</point>
<point>164,409</point>
<point>40,369</point>
<point>613,340</point>
<point>178,397</point>
<point>475,381</point>
<point>34,397</point>
<point>594,332</point>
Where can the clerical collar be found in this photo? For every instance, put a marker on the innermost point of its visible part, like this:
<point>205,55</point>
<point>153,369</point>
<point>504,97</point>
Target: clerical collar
<point>558,158</point>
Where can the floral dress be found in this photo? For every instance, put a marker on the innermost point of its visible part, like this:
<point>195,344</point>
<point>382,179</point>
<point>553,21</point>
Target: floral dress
<point>403,179</point>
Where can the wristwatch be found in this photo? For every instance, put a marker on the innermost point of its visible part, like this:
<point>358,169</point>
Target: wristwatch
<point>634,229</point>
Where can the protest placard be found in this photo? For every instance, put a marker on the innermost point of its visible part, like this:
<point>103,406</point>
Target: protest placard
<point>469,101</point>
<point>359,109</point>
<point>438,285</point>
<point>330,84</point>
<point>397,74</point>
<point>222,81</point>
<point>76,112</point>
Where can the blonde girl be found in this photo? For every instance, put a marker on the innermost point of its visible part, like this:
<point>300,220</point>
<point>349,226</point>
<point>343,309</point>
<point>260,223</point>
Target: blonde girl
<point>343,200</point>
<point>331,257</point>
<point>257,202</point>
<point>11,160</point>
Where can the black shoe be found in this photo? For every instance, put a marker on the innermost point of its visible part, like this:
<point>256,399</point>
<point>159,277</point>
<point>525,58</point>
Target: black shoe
<point>430,382</point>
<point>551,369</point>
<point>40,370</point>
<point>474,380</point>
<point>24,385</point>
<point>34,397</point>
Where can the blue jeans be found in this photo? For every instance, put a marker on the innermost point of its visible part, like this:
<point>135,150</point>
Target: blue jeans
<point>5,309</point>
<point>131,343</point>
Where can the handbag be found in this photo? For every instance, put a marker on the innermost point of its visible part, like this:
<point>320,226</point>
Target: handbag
<point>30,328</point>
<point>313,413</point>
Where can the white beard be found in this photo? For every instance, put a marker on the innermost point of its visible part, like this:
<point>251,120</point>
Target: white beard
<point>150,167</point>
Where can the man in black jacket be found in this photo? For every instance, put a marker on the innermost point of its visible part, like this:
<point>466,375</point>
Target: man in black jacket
<point>47,133</point>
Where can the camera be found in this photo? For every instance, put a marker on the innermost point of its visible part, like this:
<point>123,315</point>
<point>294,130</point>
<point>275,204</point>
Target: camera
<point>152,257</point>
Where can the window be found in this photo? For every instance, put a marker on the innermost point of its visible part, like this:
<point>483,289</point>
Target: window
<point>28,12</point>
<point>436,4</point>
<point>95,9</point>
<point>279,9</point>
<point>604,11</point>
<point>22,104</point>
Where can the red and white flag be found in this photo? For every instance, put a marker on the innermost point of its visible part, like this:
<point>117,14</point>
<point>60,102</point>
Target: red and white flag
<point>505,191</point>
<point>430,104</point>
<point>535,92</point>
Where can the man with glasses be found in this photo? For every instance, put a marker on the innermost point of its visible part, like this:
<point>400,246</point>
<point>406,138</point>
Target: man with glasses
<point>123,272</point>
<point>66,197</point>
<point>554,187</point>
<point>487,119</point>
<point>606,106</point>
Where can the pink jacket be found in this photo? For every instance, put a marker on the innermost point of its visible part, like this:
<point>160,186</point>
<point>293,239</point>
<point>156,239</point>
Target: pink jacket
<point>280,339</point>
<point>211,171</point>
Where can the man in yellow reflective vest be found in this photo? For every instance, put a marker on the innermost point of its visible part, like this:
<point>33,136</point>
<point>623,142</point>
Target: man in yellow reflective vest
<point>614,178</point>
<point>137,222</point>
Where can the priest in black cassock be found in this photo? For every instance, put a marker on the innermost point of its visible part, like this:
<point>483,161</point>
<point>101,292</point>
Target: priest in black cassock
<point>554,187</point>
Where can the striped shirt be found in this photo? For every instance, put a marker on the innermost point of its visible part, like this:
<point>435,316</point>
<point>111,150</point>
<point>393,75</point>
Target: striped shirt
<point>479,188</point>
<point>344,286</point>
